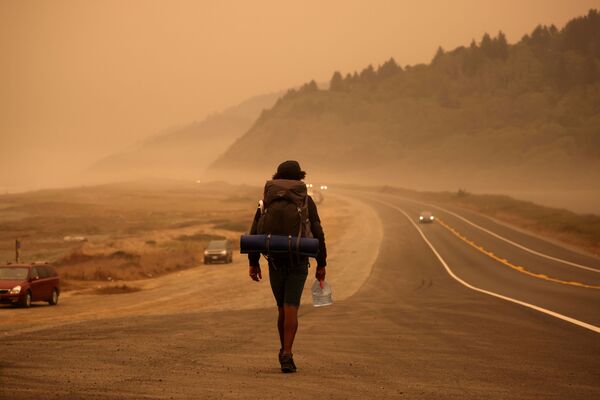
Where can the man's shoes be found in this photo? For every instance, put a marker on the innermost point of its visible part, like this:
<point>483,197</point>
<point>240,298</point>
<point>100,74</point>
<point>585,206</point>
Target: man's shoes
<point>287,363</point>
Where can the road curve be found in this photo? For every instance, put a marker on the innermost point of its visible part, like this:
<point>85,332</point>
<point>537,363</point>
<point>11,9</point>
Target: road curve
<point>511,269</point>
<point>411,331</point>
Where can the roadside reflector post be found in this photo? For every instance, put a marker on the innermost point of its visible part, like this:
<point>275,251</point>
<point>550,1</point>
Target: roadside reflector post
<point>17,250</point>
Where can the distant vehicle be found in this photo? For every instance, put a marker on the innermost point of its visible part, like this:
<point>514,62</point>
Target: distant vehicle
<point>311,186</point>
<point>218,251</point>
<point>316,195</point>
<point>426,217</point>
<point>21,284</point>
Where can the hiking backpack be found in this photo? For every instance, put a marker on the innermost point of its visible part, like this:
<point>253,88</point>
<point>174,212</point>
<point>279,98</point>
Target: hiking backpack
<point>284,209</point>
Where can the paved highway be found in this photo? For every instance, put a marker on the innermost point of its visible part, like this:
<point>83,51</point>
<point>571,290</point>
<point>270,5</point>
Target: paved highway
<point>510,263</point>
<point>411,331</point>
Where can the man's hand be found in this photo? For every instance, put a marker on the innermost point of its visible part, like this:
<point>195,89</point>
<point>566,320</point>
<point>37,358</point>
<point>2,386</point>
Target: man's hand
<point>255,273</point>
<point>320,274</point>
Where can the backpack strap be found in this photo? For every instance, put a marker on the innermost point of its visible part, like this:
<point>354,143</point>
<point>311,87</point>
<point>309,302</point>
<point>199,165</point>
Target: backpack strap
<point>290,249</point>
<point>268,244</point>
<point>300,227</point>
<point>268,255</point>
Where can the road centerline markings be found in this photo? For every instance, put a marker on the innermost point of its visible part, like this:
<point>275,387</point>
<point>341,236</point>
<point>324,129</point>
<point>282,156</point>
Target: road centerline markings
<point>507,263</point>
<point>497,236</point>
<point>554,314</point>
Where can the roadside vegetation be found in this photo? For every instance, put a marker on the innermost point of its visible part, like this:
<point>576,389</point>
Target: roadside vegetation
<point>116,289</point>
<point>123,231</point>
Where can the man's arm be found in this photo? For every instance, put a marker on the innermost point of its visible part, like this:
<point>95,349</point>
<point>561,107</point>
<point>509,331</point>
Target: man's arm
<point>317,231</point>
<point>254,258</point>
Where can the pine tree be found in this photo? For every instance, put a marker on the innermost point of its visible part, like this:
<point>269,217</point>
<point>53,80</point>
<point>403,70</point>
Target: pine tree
<point>487,46</point>
<point>472,59</point>
<point>310,87</point>
<point>336,83</point>
<point>388,69</point>
<point>582,34</point>
<point>367,74</point>
<point>501,46</point>
<point>540,35</point>
<point>438,55</point>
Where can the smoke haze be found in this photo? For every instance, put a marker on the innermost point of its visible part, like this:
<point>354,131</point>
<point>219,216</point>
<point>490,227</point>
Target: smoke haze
<point>82,80</point>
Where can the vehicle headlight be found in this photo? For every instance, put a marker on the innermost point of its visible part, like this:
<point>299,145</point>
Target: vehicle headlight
<point>223,252</point>
<point>15,290</point>
<point>431,217</point>
<point>421,217</point>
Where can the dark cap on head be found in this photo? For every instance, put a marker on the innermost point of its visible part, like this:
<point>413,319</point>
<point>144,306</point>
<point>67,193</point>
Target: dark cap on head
<point>289,170</point>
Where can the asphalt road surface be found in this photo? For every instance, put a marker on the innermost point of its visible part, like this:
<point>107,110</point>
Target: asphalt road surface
<point>438,318</point>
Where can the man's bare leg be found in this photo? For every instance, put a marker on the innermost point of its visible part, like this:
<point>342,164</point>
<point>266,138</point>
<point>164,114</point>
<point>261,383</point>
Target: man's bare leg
<point>280,325</point>
<point>290,326</point>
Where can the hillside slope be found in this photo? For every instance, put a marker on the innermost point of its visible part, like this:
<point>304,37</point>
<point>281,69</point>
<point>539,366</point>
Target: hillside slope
<point>488,116</point>
<point>184,152</point>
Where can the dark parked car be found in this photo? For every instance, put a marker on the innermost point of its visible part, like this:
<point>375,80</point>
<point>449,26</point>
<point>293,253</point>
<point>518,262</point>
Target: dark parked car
<point>426,217</point>
<point>218,251</point>
<point>20,284</point>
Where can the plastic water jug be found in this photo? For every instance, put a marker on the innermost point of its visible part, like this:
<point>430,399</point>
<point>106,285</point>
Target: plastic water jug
<point>321,294</point>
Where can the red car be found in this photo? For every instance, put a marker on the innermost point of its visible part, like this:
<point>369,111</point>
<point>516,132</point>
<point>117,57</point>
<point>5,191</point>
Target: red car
<point>20,284</point>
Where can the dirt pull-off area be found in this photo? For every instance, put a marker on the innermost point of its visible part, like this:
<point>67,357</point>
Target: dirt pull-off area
<point>353,234</point>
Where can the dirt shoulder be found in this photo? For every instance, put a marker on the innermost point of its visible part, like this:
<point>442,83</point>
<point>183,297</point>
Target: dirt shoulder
<point>353,233</point>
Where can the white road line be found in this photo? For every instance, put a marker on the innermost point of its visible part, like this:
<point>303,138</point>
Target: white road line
<point>574,321</point>
<point>520,246</point>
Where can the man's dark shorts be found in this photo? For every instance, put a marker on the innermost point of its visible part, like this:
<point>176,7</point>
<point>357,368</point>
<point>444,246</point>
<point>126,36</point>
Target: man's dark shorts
<point>287,281</point>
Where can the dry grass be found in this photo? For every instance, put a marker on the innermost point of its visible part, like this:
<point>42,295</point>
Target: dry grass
<point>200,237</point>
<point>133,231</point>
<point>116,289</point>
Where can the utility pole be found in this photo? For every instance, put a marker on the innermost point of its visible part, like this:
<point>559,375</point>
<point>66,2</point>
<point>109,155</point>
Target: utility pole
<point>17,250</point>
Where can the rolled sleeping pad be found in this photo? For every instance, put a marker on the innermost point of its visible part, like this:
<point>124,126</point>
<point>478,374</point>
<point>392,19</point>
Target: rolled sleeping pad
<point>278,244</point>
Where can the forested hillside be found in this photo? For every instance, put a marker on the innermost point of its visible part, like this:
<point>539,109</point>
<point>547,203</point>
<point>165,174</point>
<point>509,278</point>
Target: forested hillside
<point>484,115</point>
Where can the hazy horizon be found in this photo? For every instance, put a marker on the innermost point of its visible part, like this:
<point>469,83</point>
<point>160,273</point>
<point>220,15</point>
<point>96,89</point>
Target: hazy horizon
<point>84,80</point>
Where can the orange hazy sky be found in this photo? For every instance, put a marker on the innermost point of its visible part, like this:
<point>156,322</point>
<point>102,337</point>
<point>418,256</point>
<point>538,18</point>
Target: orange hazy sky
<point>81,79</point>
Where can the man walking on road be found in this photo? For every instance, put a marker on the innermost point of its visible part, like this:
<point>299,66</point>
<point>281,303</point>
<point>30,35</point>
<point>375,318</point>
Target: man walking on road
<point>287,209</point>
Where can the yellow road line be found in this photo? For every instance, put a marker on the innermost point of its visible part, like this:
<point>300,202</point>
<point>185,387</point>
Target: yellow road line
<point>511,265</point>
